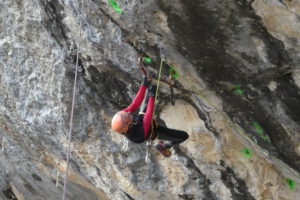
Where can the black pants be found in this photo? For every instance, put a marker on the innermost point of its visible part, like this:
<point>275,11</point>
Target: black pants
<point>164,133</point>
<point>172,135</point>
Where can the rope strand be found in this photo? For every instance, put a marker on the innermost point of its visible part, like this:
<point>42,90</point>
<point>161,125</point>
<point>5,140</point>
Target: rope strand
<point>149,143</point>
<point>158,81</point>
<point>72,109</point>
<point>156,95</point>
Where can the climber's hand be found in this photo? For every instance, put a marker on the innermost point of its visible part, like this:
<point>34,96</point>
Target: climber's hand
<point>147,80</point>
<point>152,90</point>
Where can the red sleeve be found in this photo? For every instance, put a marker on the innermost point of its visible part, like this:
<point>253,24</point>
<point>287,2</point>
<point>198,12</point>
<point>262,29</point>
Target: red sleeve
<point>136,102</point>
<point>148,116</point>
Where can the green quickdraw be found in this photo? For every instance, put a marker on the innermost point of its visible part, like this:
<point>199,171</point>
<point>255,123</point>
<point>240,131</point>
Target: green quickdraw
<point>247,152</point>
<point>115,6</point>
<point>173,74</point>
<point>291,183</point>
<point>147,60</point>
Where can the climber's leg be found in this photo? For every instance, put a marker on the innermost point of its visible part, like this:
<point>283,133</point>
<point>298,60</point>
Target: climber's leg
<point>172,135</point>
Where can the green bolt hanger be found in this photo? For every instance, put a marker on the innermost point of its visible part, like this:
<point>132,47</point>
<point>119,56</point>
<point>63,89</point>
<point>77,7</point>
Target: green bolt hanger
<point>260,131</point>
<point>291,183</point>
<point>147,59</point>
<point>247,152</point>
<point>115,6</point>
<point>258,128</point>
<point>238,89</point>
<point>173,72</point>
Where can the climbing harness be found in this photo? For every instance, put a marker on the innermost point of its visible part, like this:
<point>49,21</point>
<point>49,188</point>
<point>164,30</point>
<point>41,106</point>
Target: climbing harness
<point>72,109</point>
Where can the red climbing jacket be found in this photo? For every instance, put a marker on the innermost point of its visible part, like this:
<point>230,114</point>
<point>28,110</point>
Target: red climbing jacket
<point>142,122</point>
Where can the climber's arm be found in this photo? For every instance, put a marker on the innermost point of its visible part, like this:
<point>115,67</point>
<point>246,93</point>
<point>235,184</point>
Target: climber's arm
<point>149,112</point>
<point>136,102</point>
<point>148,116</point>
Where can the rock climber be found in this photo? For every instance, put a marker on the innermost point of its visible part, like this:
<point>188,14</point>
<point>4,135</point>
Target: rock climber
<point>137,128</point>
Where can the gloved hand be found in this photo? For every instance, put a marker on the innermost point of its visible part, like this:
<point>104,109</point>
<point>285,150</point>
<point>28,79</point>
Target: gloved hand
<point>152,90</point>
<point>146,80</point>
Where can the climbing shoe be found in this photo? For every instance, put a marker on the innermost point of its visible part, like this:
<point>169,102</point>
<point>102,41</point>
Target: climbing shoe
<point>163,148</point>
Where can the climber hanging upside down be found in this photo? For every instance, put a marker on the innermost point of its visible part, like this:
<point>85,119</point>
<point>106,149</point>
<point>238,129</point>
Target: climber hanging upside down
<point>137,128</point>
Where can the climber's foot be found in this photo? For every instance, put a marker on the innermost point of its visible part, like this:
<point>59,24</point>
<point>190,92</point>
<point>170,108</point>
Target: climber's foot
<point>163,149</point>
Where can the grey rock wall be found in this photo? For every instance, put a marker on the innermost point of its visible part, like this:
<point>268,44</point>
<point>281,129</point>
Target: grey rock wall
<point>238,87</point>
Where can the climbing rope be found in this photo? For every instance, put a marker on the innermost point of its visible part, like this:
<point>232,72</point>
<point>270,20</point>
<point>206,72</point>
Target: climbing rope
<point>2,148</point>
<point>73,105</point>
<point>149,142</point>
<point>158,82</point>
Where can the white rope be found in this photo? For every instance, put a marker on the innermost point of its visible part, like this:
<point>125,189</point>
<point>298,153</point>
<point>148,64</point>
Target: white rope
<point>57,179</point>
<point>3,144</point>
<point>147,157</point>
<point>73,105</point>
<point>125,145</point>
<point>149,142</point>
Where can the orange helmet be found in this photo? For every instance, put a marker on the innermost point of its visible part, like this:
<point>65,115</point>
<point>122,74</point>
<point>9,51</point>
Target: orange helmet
<point>121,121</point>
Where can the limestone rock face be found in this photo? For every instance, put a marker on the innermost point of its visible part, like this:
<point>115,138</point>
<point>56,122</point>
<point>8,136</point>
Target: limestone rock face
<point>237,96</point>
